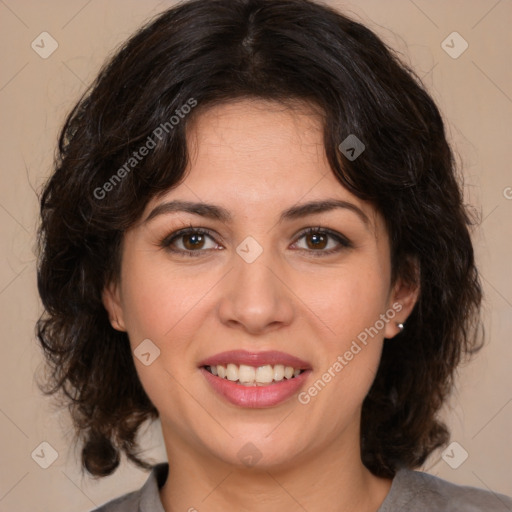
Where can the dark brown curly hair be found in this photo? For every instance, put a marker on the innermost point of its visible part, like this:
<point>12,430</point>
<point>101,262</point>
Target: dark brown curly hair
<point>283,50</point>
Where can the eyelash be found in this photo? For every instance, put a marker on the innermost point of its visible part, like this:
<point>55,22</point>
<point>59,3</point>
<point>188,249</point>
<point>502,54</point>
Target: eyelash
<point>166,243</point>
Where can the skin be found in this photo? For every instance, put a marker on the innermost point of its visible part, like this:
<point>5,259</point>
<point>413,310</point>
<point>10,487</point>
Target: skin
<point>255,159</point>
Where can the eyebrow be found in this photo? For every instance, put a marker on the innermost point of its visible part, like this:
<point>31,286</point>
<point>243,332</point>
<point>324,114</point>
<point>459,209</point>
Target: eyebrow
<point>216,212</point>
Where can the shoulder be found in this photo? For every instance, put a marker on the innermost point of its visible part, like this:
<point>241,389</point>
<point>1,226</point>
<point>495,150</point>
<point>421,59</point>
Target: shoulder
<point>144,499</point>
<point>422,492</point>
<point>126,503</point>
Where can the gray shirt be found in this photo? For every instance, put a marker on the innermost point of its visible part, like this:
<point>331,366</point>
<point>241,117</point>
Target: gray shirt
<point>411,491</point>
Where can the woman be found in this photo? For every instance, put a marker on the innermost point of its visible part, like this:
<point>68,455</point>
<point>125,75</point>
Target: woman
<point>254,232</point>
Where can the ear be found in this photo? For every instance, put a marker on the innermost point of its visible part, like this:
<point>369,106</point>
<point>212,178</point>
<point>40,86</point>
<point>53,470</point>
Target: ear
<point>402,300</point>
<point>112,302</point>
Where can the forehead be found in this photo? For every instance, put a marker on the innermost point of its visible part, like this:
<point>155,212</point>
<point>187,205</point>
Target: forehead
<point>258,155</point>
<point>257,130</point>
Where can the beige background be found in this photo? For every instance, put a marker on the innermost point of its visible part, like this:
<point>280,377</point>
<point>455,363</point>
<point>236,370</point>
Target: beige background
<point>473,91</point>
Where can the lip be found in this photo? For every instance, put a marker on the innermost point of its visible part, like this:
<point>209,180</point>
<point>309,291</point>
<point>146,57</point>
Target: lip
<point>256,359</point>
<point>255,397</point>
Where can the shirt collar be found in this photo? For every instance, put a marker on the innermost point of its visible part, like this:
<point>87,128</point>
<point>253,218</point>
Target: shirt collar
<point>149,493</point>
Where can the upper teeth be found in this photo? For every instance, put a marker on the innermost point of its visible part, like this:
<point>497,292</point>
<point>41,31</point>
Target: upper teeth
<point>249,375</point>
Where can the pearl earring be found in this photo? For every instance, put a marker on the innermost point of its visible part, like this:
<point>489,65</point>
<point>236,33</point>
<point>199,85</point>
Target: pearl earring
<point>400,326</point>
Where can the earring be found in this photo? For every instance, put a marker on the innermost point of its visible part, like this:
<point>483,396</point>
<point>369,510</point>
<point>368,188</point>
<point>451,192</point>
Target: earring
<point>400,326</point>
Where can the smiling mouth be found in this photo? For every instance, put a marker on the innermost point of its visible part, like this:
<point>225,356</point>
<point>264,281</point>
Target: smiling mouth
<point>254,376</point>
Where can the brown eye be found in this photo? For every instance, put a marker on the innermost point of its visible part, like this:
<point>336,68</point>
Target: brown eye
<point>192,242</point>
<point>317,241</point>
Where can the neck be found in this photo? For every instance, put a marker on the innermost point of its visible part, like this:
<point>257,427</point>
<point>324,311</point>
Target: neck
<point>332,479</point>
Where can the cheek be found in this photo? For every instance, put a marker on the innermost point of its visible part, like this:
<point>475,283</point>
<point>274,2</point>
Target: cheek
<point>347,301</point>
<point>348,308</point>
<point>157,298</point>
<point>161,304</point>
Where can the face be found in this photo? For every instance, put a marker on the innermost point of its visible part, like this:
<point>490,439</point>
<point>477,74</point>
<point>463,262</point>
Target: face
<point>243,288</point>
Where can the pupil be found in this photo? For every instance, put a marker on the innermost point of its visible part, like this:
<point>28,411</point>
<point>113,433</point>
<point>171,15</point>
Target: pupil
<point>318,238</point>
<point>193,244</point>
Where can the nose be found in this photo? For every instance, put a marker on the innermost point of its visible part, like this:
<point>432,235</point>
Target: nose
<point>256,297</point>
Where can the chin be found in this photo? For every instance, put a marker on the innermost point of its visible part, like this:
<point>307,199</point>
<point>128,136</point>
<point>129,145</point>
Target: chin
<point>256,449</point>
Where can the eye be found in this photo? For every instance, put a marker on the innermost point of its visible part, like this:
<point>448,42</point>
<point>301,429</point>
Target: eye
<point>319,238</point>
<point>192,240</point>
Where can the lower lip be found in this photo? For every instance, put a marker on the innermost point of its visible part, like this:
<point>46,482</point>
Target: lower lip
<point>256,396</point>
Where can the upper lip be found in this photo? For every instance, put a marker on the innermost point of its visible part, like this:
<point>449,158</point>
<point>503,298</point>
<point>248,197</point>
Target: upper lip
<point>271,357</point>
